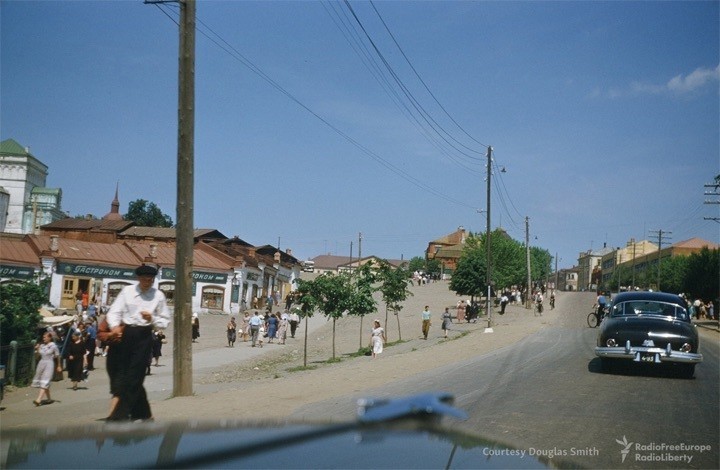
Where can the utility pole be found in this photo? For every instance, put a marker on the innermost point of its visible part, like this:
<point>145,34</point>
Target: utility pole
<point>488,270</point>
<point>182,353</point>
<point>556,271</point>
<point>359,248</point>
<point>659,238</point>
<point>714,192</point>
<point>527,261</point>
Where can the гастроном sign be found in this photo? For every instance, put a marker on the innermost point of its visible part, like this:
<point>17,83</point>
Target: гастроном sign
<point>198,276</point>
<point>95,271</point>
<point>17,272</point>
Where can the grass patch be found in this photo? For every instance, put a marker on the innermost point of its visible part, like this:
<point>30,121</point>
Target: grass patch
<point>333,360</point>
<point>301,368</point>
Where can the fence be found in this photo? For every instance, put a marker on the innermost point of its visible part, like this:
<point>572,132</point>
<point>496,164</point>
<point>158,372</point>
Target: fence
<point>19,362</point>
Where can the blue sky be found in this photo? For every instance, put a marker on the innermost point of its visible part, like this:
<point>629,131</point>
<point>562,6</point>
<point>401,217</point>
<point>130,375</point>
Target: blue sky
<point>605,116</point>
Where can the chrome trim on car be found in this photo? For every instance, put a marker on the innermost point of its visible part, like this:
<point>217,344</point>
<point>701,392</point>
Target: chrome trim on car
<point>659,355</point>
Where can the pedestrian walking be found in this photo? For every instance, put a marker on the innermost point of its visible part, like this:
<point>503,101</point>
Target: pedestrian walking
<point>377,339</point>
<point>446,321</point>
<point>282,329</point>
<point>158,341</point>
<point>461,309</point>
<point>48,364</point>
<point>294,322</point>
<point>139,308</point>
<point>426,321</point>
<point>255,323</point>
<point>231,332</point>
<point>195,327</point>
<point>75,355</point>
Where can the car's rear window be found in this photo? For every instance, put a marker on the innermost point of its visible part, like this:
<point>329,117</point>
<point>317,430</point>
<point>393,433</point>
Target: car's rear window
<point>649,307</point>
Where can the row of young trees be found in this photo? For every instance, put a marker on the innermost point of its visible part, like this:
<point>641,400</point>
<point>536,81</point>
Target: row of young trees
<point>508,264</point>
<point>338,295</point>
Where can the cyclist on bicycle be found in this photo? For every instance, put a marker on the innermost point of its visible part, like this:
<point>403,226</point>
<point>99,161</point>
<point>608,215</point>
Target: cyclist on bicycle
<point>601,306</point>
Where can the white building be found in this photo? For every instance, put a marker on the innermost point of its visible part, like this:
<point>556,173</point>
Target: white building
<point>28,203</point>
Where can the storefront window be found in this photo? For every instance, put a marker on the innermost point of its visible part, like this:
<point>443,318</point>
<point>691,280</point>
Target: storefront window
<point>212,297</point>
<point>114,289</point>
<point>168,288</point>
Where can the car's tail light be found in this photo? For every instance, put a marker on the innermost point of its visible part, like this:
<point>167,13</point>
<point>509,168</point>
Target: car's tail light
<point>686,348</point>
<point>611,343</point>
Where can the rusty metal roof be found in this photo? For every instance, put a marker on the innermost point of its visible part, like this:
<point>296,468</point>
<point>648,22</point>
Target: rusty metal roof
<point>165,255</point>
<point>14,250</point>
<point>88,225</point>
<point>116,254</point>
<point>168,233</point>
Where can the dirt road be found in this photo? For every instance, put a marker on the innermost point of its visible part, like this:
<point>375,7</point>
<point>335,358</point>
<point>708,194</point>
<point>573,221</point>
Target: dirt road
<point>270,383</point>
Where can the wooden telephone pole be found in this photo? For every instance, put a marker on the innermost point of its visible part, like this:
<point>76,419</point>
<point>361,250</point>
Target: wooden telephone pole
<point>182,316</point>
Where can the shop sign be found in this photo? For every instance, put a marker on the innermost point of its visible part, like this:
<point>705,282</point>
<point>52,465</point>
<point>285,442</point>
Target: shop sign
<point>197,276</point>
<point>68,269</point>
<point>17,272</point>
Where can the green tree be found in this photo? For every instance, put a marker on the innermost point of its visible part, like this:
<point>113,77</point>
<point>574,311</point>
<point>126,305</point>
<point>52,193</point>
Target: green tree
<point>362,295</point>
<point>19,311</point>
<point>433,267</point>
<point>417,263</point>
<point>673,272</point>
<point>469,277</point>
<point>702,278</point>
<point>308,303</point>
<point>332,295</point>
<point>394,290</point>
<point>147,214</point>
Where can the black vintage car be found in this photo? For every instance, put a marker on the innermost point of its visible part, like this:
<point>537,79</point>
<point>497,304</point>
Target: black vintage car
<point>651,328</point>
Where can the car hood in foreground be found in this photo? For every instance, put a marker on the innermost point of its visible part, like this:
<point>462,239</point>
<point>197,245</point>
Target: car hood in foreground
<point>400,444</point>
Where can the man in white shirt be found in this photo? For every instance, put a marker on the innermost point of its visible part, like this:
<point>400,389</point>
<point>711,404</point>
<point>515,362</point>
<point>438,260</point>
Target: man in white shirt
<point>136,310</point>
<point>255,323</point>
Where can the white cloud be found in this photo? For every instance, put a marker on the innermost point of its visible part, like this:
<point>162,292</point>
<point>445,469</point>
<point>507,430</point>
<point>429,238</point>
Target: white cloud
<point>695,80</point>
<point>678,85</point>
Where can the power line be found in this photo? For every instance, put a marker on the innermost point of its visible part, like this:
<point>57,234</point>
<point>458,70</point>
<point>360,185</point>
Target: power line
<point>422,112</point>
<point>422,81</point>
<point>237,55</point>
<point>348,30</point>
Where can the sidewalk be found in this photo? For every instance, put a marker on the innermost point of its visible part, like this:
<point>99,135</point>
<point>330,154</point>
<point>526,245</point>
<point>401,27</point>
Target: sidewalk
<point>226,379</point>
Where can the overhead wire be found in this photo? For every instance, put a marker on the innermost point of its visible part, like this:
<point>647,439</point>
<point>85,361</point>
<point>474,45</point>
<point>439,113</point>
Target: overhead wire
<point>358,45</point>
<point>237,55</point>
<point>412,67</point>
<point>422,112</point>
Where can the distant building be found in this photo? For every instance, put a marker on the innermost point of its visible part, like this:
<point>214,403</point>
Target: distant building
<point>590,269</point>
<point>331,264</point>
<point>447,249</point>
<point>28,204</point>
<point>567,279</point>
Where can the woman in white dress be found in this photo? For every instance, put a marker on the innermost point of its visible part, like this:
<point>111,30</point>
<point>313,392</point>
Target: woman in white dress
<point>377,340</point>
<point>49,355</point>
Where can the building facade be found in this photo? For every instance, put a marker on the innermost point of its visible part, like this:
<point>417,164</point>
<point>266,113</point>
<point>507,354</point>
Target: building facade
<point>29,203</point>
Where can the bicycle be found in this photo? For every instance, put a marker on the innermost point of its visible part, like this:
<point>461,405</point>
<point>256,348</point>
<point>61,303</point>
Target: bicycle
<point>595,317</point>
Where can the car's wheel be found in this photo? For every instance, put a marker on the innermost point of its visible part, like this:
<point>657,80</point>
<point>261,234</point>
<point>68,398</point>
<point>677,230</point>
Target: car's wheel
<point>686,370</point>
<point>592,320</point>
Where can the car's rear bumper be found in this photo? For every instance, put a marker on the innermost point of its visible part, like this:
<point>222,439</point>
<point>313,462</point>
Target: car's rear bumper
<point>648,354</point>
